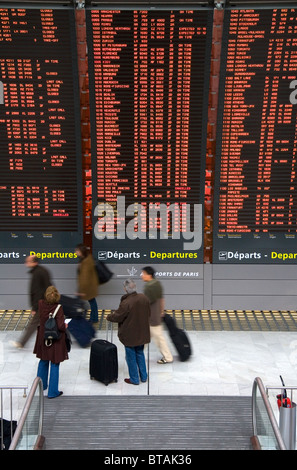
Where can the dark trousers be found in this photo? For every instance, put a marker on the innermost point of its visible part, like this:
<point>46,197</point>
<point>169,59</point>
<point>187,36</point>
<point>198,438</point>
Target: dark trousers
<point>30,329</point>
<point>94,310</point>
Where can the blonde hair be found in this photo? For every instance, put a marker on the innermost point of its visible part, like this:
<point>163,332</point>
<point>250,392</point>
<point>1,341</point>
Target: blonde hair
<point>52,295</point>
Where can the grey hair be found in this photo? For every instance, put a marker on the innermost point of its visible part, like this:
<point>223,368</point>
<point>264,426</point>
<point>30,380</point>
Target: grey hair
<point>129,286</point>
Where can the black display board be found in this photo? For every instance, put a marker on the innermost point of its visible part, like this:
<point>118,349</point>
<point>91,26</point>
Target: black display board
<point>149,82</point>
<point>40,144</point>
<point>255,207</point>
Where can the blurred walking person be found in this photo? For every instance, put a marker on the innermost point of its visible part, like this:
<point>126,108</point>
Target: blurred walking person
<point>154,292</point>
<point>40,281</point>
<point>87,280</point>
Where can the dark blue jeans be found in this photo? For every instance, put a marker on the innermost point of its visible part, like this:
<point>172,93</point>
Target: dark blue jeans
<point>94,310</point>
<point>53,383</point>
<point>136,363</point>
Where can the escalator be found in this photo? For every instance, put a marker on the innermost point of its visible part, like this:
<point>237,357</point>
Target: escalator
<point>148,423</point>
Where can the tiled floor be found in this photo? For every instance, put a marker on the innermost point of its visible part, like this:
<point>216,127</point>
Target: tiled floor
<point>223,363</point>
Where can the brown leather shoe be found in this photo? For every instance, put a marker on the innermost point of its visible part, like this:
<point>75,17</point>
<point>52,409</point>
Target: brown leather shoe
<point>128,381</point>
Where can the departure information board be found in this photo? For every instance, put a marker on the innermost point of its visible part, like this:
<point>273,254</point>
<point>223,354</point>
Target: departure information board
<point>149,82</point>
<point>40,165</point>
<point>255,210</point>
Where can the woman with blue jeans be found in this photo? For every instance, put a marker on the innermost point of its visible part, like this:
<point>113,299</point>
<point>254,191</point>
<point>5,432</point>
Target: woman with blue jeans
<point>53,383</point>
<point>133,331</point>
<point>54,353</point>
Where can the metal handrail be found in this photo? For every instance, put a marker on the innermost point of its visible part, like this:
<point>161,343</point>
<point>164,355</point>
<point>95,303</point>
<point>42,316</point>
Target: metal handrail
<point>37,383</point>
<point>282,387</point>
<point>259,384</point>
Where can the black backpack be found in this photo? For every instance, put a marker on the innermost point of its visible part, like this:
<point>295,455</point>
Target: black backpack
<point>51,332</point>
<point>103,272</point>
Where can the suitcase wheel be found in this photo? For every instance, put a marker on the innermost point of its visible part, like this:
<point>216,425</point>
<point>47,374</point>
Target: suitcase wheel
<point>107,383</point>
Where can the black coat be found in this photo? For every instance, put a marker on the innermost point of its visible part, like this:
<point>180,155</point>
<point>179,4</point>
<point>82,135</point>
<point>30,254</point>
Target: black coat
<point>40,281</point>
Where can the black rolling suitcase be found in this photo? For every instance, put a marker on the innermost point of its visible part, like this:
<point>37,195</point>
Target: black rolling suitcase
<point>73,307</point>
<point>8,428</point>
<point>103,364</point>
<point>178,337</point>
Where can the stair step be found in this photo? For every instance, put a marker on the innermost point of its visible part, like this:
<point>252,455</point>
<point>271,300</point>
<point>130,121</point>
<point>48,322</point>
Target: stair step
<point>147,423</point>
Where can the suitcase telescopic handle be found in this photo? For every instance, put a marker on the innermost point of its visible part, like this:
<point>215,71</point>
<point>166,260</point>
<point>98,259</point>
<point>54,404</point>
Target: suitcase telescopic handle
<point>109,326</point>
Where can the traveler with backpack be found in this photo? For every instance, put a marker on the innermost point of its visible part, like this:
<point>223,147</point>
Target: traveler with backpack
<point>50,352</point>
